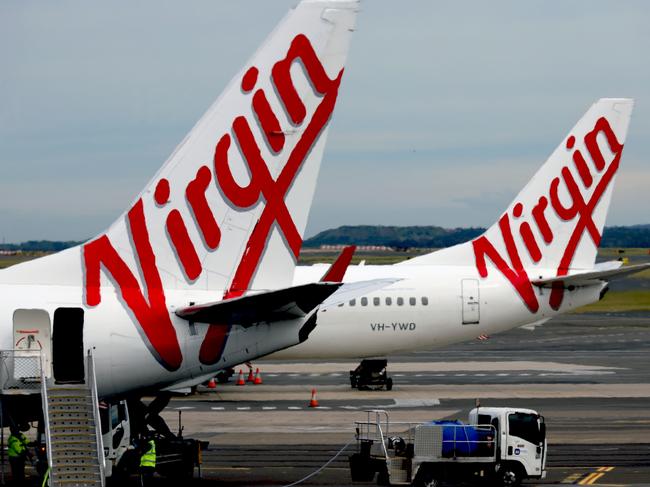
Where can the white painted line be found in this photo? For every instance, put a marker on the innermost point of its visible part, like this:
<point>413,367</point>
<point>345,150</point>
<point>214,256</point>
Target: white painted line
<point>480,375</point>
<point>323,407</point>
<point>503,375</point>
<point>217,408</point>
<point>398,375</point>
<point>315,375</point>
<point>294,408</point>
<point>182,408</point>
<point>524,375</point>
<point>294,375</point>
<point>349,407</point>
<point>268,408</point>
<point>336,374</point>
<point>244,408</point>
<point>272,375</point>
<point>460,375</point>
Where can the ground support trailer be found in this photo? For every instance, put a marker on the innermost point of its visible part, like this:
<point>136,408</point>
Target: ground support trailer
<point>499,446</point>
<point>371,374</point>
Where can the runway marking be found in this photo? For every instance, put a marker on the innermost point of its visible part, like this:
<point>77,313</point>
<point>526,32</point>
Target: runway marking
<point>593,477</point>
<point>571,479</point>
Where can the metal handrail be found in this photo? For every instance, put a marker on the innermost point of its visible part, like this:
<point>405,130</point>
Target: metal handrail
<point>92,383</point>
<point>46,419</point>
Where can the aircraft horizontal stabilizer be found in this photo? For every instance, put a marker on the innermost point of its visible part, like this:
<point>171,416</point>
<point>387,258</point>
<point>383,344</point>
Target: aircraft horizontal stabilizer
<point>336,272</point>
<point>591,277</point>
<point>282,304</point>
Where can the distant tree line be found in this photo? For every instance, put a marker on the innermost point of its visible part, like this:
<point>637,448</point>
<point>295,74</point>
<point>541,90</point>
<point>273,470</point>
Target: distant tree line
<point>40,246</point>
<point>391,236</point>
<point>438,237</point>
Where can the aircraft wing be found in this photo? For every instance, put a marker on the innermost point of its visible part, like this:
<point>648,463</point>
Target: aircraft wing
<point>607,273</point>
<point>282,304</point>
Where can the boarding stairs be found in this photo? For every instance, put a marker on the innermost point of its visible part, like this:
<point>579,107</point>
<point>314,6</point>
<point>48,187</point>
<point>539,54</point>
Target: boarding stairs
<point>73,432</point>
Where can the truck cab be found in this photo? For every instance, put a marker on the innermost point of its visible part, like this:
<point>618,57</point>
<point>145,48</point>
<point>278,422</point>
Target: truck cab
<point>521,440</point>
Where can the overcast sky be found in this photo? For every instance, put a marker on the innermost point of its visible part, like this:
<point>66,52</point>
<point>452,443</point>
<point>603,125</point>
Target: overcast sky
<point>446,108</point>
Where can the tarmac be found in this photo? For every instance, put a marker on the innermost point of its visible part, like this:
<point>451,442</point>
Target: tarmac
<point>587,374</point>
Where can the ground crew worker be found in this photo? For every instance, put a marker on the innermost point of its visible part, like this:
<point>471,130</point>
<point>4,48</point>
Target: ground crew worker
<point>148,462</point>
<point>17,452</point>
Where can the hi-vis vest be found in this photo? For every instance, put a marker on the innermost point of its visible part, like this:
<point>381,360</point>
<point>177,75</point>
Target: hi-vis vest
<point>149,458</point>
<point>17,445</point>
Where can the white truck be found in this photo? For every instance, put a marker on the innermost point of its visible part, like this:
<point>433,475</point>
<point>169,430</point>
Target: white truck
<point>498,446</point>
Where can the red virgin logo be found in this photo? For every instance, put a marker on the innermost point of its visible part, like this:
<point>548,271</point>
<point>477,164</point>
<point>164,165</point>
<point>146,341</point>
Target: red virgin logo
<point>581,211</point>
<point>148,307</point>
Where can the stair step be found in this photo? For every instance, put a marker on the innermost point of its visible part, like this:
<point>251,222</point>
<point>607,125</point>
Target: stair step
<point>74,460</point>
<point>72,422</point>
<point>76,483</point>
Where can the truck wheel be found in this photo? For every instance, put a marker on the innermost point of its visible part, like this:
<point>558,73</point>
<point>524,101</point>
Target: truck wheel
<point>389,384</point>
<point>510,476</point>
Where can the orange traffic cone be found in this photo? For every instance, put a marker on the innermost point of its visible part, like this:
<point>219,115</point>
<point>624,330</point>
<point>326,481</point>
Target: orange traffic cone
<point>240,380</point>
<point>212,384</point>
<point>258,377</point>
<point>314,402</point>
<point>251,377</point>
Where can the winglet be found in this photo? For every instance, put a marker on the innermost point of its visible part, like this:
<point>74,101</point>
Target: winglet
<point>337,270</point>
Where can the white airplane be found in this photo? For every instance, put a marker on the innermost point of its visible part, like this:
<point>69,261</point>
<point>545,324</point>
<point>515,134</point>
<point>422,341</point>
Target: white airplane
<point>537,261</point>
<point>196,275</point>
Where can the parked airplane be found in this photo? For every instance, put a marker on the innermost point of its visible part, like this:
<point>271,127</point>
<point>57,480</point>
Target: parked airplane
<point>196,275</point>
<point>537,261</point>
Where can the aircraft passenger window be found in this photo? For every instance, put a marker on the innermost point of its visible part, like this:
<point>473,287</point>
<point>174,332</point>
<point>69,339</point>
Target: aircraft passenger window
<point>412,301</point>
<point>364,301</point>
<point>400,301</point>
<point>353,302</point>
<point>389,301</point>
<point>375,301</point>
<point>425,301</point>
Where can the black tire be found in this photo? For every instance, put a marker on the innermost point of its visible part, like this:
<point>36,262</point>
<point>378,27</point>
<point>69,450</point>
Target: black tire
<point>389,384</point>
<point>510,475</point>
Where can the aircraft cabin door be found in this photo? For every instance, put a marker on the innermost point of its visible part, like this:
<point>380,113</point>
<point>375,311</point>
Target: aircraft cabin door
<point>31,342</point>
<point>68,345</point>
<point>471,301</point>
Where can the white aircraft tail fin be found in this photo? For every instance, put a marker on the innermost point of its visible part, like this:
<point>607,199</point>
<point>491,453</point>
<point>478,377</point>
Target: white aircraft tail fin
<point>555,223</point>
<point>228,210</point>
<point>229,207</point>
